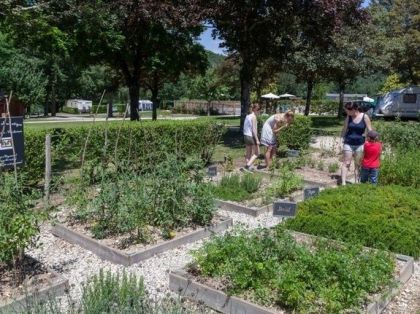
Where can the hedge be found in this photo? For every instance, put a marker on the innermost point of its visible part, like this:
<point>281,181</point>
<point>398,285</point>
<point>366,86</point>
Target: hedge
<point>384,217</point>
<point>138,144</point>
<point>404,135</point>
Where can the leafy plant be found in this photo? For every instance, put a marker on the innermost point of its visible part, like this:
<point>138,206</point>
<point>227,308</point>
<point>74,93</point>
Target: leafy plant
<point>286,183</point>
<point>251,182</point>
<point>271,268</point>
<point>402,135</point>
<point>332,168</point>
<point>19,223</point>
<point>385,217</point>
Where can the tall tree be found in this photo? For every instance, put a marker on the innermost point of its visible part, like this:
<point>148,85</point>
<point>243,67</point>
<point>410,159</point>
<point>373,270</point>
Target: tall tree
<point>404,44</point>
<point>121,33</point>
<point>250,29</point>
<point>178,53</point>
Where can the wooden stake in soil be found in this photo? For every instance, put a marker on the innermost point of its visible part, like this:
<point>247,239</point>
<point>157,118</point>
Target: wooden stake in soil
<point>47,170</point>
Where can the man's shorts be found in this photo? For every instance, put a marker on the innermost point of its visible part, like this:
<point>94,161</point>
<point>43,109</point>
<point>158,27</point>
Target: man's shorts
<point>249,140</point>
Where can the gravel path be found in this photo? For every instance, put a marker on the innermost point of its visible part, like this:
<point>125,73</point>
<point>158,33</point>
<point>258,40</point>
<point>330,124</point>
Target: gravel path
<point>77,264</point>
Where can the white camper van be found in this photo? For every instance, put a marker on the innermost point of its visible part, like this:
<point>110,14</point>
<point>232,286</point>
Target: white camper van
<point>82,105</point>
<point>404,103</point>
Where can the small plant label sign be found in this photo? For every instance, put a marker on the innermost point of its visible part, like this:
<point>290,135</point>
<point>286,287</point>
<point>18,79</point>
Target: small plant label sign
<point>310,192</point>
<point>284,209</point>
<point>212,171</point>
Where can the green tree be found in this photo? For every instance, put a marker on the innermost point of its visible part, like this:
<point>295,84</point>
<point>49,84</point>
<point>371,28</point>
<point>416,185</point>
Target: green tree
<point>121,33</point>
<point>404,45</point>
<point>21,74</point>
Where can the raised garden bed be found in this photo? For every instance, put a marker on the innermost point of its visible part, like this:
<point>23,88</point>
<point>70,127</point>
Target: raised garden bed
<point>251,207</point>
<point>39,283</point>
<point>275,271</point>
<point>129,257</point>
<point>186,285</point>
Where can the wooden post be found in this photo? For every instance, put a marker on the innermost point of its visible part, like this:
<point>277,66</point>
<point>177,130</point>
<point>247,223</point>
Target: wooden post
<point>47,169</point>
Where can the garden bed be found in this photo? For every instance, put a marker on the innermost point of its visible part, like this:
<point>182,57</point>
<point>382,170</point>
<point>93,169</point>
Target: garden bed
<point>107,248</point>
<point>212,290</point>
<point>38,282</point>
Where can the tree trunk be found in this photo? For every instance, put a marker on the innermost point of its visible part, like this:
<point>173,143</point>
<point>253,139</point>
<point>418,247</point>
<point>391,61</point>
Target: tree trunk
<point>110,105</point>
<point>53,95</point>
<point>246,79</point>
<point>155,104</point>
<point>134,92</point>
<point>342,86</point>
<point>310,86</point>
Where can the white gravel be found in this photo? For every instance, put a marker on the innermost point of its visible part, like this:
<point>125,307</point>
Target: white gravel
<point>78,264</point>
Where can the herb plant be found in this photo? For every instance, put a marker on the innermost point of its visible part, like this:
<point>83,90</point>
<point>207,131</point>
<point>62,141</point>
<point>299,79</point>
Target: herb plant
<point>269,267</point>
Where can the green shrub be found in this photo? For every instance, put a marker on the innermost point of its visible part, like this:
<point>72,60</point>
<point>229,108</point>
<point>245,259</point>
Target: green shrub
<point>298,135</point>
<point>251,183</point>
<point>70,110</point>
<point>269,267</point>
<point>98,109</point>
<point>19,223</point>
<point>385,217</point>
<point>236,188</point>
<point>403,135</point>
<point>140,145</point>
<point>401,167</point>
<point>332,168</point>
<point>170,197</point>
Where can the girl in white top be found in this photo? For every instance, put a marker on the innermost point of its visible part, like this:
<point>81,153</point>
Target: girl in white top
<point>271,127</point>
<point>252,148</point>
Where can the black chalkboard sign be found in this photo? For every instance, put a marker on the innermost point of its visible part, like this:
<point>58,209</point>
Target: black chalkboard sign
<point>310,192</point>
<point>284,209</point>
<point>212,171</point>
<point>9,140</point>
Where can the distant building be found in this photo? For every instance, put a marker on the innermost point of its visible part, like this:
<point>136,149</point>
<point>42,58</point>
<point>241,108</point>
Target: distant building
<point>347,97</point>
<point>145,105</point>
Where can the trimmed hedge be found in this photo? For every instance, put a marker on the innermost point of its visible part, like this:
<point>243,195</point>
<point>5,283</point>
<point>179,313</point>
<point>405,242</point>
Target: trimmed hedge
<point>139,145</point>
<point>384,217</point>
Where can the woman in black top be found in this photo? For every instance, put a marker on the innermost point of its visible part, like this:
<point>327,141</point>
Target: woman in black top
<point>355,127</point>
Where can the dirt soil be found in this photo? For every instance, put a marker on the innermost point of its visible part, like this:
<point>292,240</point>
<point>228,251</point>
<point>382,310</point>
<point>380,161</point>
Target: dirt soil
<point>31,276</point>
<point>127,244</point>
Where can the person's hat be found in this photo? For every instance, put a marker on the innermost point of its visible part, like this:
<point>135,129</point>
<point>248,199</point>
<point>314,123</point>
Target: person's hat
<point>373,134</point>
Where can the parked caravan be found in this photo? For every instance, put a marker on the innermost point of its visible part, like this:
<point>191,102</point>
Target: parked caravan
<point>82,105</point>
<point>404,103</point>
<point>145,105</point>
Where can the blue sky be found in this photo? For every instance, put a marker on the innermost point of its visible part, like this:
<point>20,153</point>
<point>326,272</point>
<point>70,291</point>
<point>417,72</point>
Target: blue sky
<point>213,44</point>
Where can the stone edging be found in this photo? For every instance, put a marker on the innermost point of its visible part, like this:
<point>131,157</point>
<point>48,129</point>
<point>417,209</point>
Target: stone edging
<point>180,283</point>
<point>120,257</point>
<point>55,287</point>
<point>230,206</point>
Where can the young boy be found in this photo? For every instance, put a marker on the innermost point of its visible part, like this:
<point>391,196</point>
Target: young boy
<point>371,158</point>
